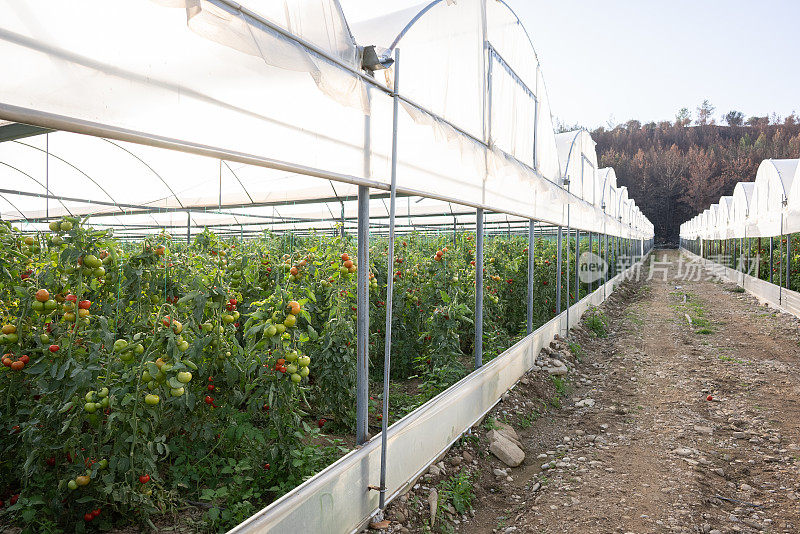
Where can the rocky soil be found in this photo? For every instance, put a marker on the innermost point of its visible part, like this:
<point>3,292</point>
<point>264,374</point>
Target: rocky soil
<point>684,418</point>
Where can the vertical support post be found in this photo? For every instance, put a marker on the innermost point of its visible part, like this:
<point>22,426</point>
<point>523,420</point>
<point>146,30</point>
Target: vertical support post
<point>559,262</point>
<point>362,318</point>
<point>788,259</point>
<point>566,278</point>
<point>479,290</point>
<point>341,232</point>
<point>531,266</point>
<point>606,258</point>
<point>188,227</point>
<point>387,354</point>
<point>591,251</point>
<point>771,254</point>
<point>47,175</point>
<point>577,265</point>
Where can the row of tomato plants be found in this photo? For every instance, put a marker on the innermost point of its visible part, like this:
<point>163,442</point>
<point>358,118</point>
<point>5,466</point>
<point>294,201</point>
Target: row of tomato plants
<point>138,377</point>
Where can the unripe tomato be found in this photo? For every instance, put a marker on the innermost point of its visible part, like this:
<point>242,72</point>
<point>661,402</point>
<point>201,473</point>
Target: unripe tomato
<point>290,321</point>
<point>291,368</point>
<point>293,307</point>
<point>184,377</point>
<point>303,361</point>
<point>177,327</point>
<point>291,356</point>
<point>9,329</point>
<point>304,372</point>
<point>271,331</point>
<point>72,485</point>
<point>69,317</point>
<point>82,480</point>
<point>89,407</point>
<point>151,399</point>
<point>176,392</point>
<point>50,305</point>
<point>296,378</point>
<point>103,392</point>
<point>227,318</point>
<point>54,226</point>
<point>83,313</point>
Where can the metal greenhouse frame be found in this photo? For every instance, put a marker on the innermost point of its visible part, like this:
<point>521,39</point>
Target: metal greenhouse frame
<point>244,122</point>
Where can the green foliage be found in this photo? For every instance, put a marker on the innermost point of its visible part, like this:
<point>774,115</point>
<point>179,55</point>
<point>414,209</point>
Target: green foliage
<point>458,491</point>
<point>595,321</point>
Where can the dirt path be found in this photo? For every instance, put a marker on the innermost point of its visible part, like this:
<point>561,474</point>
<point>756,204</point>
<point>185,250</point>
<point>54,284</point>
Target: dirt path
<point>652,454</point>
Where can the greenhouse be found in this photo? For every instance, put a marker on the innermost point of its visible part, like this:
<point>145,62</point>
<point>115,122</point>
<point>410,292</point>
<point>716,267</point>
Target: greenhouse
<point>753,234</point>
<point>267,219</point>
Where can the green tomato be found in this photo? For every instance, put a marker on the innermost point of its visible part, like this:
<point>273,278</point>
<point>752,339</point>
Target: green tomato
<point>303,361</point>
<point>228,319</point>
<point>37,306</point>
<point>176,392</point>
<point>304,372</point>
<point>126,357</point>
<point>54,226</point>
<point>183,346</point>
<point>138,349</point>
<point>92,261</point>
<point>72,485</point>
<point>184,377</point>
<point>291,356</point>
<point>89,396</point>
<point>295,377</point>
<point>90,407</point>
<point>280,328</point>
<point>50,305</point>
<point>103,393</point>
<point>120,345</point>
<point>271,331</point>
<point>99,272</point>
<point>104,402</point>
<point>12,338</point>
<point>102,464</point>
<point>207,327</point>
<point>65,226</point>
<point>146,377</point>
<point>151,399</point>
<point>190,365</point>
<point>291,368</point>
<point>44,338</point>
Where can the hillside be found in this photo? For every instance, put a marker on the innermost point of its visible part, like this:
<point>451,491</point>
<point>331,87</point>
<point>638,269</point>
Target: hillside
<point>675,170</point>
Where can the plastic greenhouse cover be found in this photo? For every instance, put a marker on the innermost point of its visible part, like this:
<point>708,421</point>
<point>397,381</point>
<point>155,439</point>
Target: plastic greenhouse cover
<point>228,84</point>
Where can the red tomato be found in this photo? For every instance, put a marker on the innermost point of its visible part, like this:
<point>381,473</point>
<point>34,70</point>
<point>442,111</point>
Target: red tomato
<point>710,398</point>
<point>84,304</point>
<point>54,348</point>
<point>71,298</point>
<point>25,359</point>
<point>210,387</point>
<point>88,516</point>
<point>14,499</point>
<point>209,399</point>
<point>144,479</point>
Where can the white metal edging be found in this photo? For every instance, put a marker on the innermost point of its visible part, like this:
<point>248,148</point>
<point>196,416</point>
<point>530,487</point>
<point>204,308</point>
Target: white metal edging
<point>337,500</point>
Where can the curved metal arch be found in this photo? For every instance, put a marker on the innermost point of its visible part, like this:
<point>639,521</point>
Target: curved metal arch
<point>246,192</point>
<point>15,207</point>
<point>40,184</point>
<point>571,147</point>
<point>59,158</point>
<point>143,162</point>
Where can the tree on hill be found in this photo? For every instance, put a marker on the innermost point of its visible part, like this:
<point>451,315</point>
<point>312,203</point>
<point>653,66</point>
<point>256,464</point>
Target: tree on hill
<point>674,171</point>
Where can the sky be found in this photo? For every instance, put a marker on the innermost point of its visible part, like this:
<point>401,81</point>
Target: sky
<point>614,60</point>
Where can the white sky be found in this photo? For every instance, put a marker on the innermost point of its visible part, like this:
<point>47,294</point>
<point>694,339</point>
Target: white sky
<point>644,60</point>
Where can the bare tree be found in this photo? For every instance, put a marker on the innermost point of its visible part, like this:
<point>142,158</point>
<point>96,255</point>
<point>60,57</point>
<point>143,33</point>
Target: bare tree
<point>683,117</point>
<point>705,112</point>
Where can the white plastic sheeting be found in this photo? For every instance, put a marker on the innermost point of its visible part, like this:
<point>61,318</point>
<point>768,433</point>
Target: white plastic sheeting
<point>269,101</point>
<point>768,206</point>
